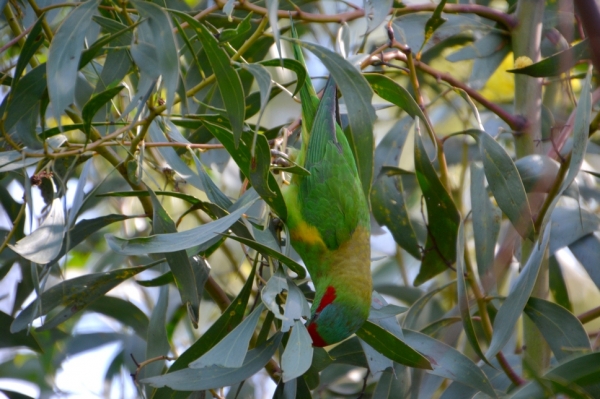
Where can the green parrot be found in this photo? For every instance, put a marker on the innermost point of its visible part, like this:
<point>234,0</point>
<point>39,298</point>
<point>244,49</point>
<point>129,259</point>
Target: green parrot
<point>328,221</point>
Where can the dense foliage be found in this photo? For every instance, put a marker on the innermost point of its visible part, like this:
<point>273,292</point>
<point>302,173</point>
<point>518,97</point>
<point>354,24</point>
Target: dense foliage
<point>144,147</point>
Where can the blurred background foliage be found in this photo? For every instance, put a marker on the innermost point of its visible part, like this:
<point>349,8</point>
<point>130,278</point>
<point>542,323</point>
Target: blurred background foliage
<point>136,134</point>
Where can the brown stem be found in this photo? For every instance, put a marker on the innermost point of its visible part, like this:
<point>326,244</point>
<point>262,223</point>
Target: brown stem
<point>486,12</point>
<point>590,315</point>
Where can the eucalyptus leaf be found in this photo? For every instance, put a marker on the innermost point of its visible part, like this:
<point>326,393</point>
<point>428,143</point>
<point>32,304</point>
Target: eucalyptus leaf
<point>44,244</point>
<point>231,350</point>
<point>162,243</point>
<point>64,54</point>
<point>215,376</point>
<point>74,295</point>
<point>513,305</point>
<point>298,353</point>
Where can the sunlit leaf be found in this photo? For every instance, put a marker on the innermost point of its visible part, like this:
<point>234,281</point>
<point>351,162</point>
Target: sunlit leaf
<point>298,353</point>
<point>557,63</point>
<point>215,376</point>
<point>231,350</point>
<point>44,243</point>
<point>162,243</point>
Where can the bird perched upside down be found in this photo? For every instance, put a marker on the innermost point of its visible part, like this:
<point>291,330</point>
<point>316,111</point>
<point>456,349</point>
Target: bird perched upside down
<point>328,221</point>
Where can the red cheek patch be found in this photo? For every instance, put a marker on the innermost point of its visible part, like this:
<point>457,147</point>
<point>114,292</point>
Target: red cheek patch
<point>314,335</point>
<point>328,297</point>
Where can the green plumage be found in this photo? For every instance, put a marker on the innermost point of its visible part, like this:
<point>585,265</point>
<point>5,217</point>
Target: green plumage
<point>328,220</point>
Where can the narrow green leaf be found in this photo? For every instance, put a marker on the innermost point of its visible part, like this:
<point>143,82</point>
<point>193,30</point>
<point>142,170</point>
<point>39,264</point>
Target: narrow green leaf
<point>505,183</point>
<point>228,79</point>
<point>298,353</point>
<point>263,79</point>
<point>228,35</point>
<point>123,311</point>
<point>78,199</point>
<point>15,340</point>
<point>164,41</point>
<point>213,192</point>
<point>95,104</point>
<point>569,224</point>
<point>292,264</point>
<point>290,64</point>
<point>376,11</point>
<point>349,352</point>
<point>33,42</point>
<point>255,169</point>
<point>377,361</point>
<point>231,317</point>
<point>178,262</point>
<point>463,294</point>
<point>44,244</point>
<point>582,371</point>
<point>392,347</point>
<point>513,305</point>
<point>393,383</point>
<point>357,95</point>
<point>162,243</point>
<point>157,343</point>
<point>434,22</point>
<point>449,363</point>
<point>410,320</point>
<point>231,350</point>
<point>486,220</point>
<point>64,54</point>
<point>272,9</point>
<point>118,32</point>
<point>559,327</point>
<point>442,215</point>
<point>74,294</point>
<point>389,209</point>
<point>557,283</point>
<point>557,63</point>
<point>24,102</point>
<point>391,91</point>
<point>215,376</point>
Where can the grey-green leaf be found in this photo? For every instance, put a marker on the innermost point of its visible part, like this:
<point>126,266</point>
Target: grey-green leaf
<point>215,376</point>
<point>74,294</point>
<point>231,350</point>
<point>64,54</point>
<point>166,47</point>
<point>44,244</point>
<point>162,243</point>
<point>486,220</point>
<point>505,182</point>
<point>513,305</point>
<point>298,353</point>
<point>449,363</point>
<point>463,294</point>
<point>560,328</point>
